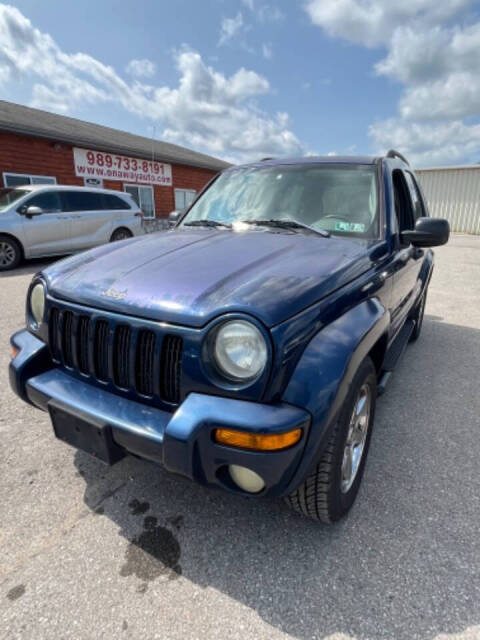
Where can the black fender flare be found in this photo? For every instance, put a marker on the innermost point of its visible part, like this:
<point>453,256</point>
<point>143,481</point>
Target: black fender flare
<point>323,376</point>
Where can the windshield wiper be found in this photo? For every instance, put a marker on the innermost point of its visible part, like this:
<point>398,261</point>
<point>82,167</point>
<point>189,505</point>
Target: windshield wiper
<point>287,224</point>
<point>206,223</point>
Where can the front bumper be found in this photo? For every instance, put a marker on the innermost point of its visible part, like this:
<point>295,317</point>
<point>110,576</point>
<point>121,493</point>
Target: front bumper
<point>181,441</point>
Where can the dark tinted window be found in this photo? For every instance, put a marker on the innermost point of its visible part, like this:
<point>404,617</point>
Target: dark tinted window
<point>418,209</point>
<point>114,202</point>
<point>403,201</point>
<point>82,201</point>
<point>49,202</point>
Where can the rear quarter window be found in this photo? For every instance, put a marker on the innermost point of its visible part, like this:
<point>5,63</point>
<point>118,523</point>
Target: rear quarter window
<point>115,202</point>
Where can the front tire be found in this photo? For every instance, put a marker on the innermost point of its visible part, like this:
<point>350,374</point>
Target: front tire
<point>10,253</point>
<point>329,492</point>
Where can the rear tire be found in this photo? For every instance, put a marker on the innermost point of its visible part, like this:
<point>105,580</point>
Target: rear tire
<point>10,253</point>
<point>417,316</point>
<point>121,234</point>
<point>329,492</point>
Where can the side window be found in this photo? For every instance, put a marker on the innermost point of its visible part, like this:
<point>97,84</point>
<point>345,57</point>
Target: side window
<point>15,179</point>
<point>418,208</point>
<point>183,198</point>
<point>49,202</point>
<point>403,202</point>
<point>82,201</point>
<point>114,202</point>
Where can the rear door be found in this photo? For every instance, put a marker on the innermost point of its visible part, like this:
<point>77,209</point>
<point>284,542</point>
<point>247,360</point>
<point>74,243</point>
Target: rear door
<point>408,259</point>
<point>124,212</point>
<point>49,232</point>
<point>91,221</point>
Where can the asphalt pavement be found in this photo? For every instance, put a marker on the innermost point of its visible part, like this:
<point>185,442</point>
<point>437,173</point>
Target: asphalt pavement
<point>129,551</point>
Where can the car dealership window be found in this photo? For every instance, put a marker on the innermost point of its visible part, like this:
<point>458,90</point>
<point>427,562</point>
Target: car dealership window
<point>183,198</point>
<point>143,196</point>
<point>18,179</point>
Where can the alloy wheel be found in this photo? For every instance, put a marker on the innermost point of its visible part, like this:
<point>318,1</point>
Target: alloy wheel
<point>7,254</point>
<point>356,438</point>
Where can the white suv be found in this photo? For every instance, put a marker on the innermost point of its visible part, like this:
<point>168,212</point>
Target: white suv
<point>41,220</point>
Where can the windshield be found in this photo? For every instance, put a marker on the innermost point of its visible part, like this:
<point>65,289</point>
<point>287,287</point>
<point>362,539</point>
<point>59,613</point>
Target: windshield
<point>341,199</point>
<point>7,196</point>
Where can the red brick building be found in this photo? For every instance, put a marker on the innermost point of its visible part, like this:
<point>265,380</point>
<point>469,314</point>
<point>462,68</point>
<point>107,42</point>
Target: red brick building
<point>40,147</point>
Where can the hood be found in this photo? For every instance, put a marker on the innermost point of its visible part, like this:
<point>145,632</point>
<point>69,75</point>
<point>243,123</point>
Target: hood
<point>188,277</point>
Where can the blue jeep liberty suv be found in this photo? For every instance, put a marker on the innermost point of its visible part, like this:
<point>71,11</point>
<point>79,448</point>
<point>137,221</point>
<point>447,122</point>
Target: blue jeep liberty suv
<point>245,347</point>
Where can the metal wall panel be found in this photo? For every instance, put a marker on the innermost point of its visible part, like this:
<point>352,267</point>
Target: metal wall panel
<point>454,194</point>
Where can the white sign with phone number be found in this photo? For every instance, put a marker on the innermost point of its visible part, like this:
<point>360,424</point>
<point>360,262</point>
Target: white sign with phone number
<point>111,166</point>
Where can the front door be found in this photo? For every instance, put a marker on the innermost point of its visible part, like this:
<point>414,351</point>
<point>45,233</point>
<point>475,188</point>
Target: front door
<point>408,259</point>
<point>49,232</point>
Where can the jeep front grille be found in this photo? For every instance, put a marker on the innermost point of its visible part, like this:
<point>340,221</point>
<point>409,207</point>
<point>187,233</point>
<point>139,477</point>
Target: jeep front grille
<point>121,357</point>
<point>171,365</point>
<point>144,362</point>
<point>101,349</point>
<point>139,361</point>
<point>83,327</point>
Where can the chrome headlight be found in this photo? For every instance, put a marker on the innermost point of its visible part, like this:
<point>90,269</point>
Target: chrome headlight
<point>240,351</point>
<point>37,303</point>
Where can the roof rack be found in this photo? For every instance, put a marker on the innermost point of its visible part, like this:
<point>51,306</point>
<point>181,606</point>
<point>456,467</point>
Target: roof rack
<point>396,154</point>
<point>267,158</point>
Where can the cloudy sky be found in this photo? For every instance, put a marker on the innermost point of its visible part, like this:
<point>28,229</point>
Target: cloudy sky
<point>242,79</point>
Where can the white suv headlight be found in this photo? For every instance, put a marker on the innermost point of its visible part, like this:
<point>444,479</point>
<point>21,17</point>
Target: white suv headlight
<point>240,350</point>
<point>37,303</point>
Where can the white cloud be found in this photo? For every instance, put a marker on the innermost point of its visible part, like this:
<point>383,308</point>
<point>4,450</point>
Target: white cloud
<point>230,27</point>
<point>270,13</point>
<point>435,57</point>
<point>372,23</point>
<point>434,144</point>
<point>264,12</point>
<point>267,50</point>
<point>249,4</point>
<point>142,68</point>
<point>440,70</point>
<point>207,110</point>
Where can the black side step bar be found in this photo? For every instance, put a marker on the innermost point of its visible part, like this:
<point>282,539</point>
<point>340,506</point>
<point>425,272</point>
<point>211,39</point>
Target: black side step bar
<point>394,354</point>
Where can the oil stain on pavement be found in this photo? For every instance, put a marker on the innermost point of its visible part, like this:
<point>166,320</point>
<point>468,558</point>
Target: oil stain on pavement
<point>138,507</point>
<point>155,552</point>
<point>16,592</point>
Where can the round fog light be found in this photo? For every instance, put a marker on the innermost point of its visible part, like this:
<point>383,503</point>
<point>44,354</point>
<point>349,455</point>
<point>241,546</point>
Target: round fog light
<point>246,479</point>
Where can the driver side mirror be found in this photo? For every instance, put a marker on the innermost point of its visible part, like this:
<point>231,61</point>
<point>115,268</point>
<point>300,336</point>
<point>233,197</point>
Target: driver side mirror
<point>428,232</point>
<point>174,216</point>
<point>31,211</point>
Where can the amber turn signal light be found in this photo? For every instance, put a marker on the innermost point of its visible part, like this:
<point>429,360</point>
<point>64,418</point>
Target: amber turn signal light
<point>15,351</point>
<point>257,441</point>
